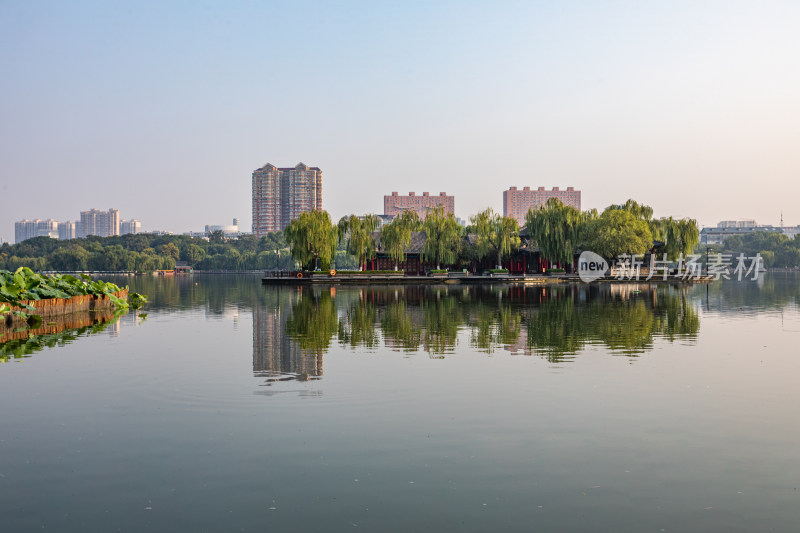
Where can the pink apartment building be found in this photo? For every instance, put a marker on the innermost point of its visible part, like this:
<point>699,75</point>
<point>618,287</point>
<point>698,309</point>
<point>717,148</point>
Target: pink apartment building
<point>395,204</point>
<point>516,203</point>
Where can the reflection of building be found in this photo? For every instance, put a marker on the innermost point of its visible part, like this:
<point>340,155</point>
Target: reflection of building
<point>521,345</point>
<point>275,355</point>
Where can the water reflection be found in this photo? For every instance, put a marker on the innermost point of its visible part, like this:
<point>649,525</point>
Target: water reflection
<point>773,291</point>
<point>284,348</point>
<point>17,344</point>
<point>624,318</point>
<point>300,325</point>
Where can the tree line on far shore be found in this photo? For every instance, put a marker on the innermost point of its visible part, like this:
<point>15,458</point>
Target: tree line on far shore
<point>313,241</point>
<point>556,229</point>
<point>145,252</point>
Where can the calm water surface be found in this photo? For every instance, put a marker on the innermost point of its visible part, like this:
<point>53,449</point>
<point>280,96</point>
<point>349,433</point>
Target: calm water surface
<point>234,407</point>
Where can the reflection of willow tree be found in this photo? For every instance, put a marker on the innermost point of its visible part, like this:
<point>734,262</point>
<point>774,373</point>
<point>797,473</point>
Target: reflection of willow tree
<point>677,319</point>
<point>493,325</point>
<point>442,315</point>
<point>357,328</point>
<point>560,328</point>
<point>313,322</point>
<point>398,327</point>
<point>555,329</point>
<point>626,327</point>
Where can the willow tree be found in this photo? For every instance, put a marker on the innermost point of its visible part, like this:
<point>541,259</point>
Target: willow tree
<point>496,234</point>
<point>312,238</point>
<point>640,211</point>
<point>442,237</point>
<point>679,236</point>
<point>617,232</point>
<point>396,236</point>
<point>556,228</point>
<point>358,233</point>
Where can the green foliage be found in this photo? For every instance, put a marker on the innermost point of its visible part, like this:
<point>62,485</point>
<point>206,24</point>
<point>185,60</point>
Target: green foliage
<point>617,232</point>
<point>679,236</point>
<point>136,300</point>
<point>443,237</point>
<point>357,231</point>
<point>495,234</point>
<point>639,211</point>
<point>146,253</point>
<point>783,251</point>
<point>396,236</point>
<point>312,238</point>
<point>24,284</point>
<point>556,229</point>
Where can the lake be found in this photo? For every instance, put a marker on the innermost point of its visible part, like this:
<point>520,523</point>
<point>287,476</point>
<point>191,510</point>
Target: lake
<point>228,406</point>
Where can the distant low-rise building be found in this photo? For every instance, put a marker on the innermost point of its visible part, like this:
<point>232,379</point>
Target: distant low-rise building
<point>728,228</point>
<point>394,204</point>
<point>791,231</point>
<point>517,203</point>
<point>229,230</point>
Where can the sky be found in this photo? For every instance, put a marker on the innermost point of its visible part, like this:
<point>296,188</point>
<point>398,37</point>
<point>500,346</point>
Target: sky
<point>164,109</point>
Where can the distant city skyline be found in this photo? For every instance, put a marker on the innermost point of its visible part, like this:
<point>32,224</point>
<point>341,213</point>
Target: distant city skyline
<point>164,109</point>
<point>91,222</point>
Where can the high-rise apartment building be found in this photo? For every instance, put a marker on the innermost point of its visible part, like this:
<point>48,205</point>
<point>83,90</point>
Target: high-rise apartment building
<point>67,230</point>
<point>130,226</point>
<point>28,229</point>
<point>100,223</point>
<point>516,203</point>
<point>24,229</point>
<point>281,194</point>
<point>92,222</point>
<point>395,204</point>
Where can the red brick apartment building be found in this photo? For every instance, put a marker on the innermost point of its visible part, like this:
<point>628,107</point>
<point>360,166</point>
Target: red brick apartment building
<point>516,203</point>
<point>395,204</point>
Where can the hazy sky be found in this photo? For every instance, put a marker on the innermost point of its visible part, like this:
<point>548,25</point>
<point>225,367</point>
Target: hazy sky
<point>163,109</point>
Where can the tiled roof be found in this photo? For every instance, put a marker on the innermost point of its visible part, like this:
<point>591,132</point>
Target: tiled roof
<point>418,239</point>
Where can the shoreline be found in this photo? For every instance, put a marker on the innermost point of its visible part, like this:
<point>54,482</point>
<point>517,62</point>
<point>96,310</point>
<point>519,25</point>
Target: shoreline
<point>461,279</point>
